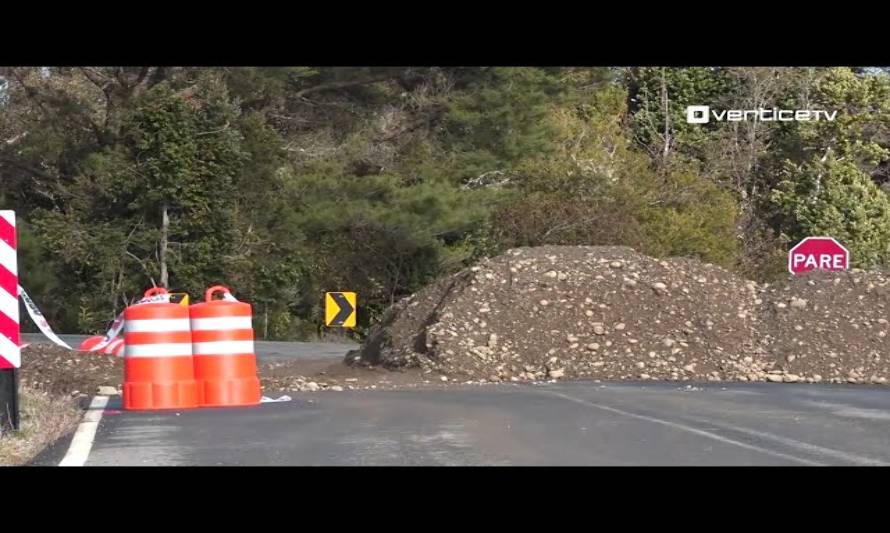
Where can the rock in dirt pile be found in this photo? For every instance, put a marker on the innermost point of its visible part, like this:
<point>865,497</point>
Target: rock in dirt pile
<point>611,313</point>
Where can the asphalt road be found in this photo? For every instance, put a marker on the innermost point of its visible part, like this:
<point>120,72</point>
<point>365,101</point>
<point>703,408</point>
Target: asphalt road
<point>550,424</point>
<point>265,350</point>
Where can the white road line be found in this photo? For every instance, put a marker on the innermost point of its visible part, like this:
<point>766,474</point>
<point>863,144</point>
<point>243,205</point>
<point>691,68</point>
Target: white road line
<point>846,410</point>
<point>803,446</point>
<point>82,443</point>
<point>684,427</point>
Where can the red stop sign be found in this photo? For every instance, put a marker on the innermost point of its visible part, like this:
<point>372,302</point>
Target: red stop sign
<point>818,253</point>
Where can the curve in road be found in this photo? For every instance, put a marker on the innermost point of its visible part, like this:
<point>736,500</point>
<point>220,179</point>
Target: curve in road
<point>548,424</point>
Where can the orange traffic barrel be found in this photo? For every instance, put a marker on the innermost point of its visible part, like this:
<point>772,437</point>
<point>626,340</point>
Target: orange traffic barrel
<point>222,343</point>
<point>115,347</point>
<point>158,367</point>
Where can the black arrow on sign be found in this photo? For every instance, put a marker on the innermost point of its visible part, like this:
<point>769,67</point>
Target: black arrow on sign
<point>346,309</point>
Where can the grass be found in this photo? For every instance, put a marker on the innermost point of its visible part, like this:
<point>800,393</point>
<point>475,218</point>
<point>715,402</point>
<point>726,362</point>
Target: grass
<point>44,418</point>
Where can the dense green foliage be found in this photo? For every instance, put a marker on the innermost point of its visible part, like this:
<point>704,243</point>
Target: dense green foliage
<point>285,183</point>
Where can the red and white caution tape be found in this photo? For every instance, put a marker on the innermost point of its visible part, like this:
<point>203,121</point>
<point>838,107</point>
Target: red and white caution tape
<point>10,337</point>
<point>39,319</point>
<point>115,347</point>
<point>10,290</point>
<point>110,344</point>
<point>163,298</point>
<point>111,336</point>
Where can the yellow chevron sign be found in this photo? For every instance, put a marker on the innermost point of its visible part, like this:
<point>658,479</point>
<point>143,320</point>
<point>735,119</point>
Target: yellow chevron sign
<point>180,298</point>
<point>339,309</point>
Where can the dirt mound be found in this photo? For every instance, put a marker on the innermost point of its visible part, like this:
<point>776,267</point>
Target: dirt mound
<point>58,371</point>
<point>574,311</point>
<point>612,313</point>
<point>830,326</point>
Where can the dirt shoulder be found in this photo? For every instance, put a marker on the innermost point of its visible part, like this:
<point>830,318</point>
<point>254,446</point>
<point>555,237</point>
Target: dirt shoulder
<point>44,419</point>
<point>54,386</point>
<point>326,375</point>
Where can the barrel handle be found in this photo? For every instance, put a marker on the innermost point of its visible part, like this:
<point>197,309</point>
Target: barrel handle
<point>155,290</point>
<point>208,296</point>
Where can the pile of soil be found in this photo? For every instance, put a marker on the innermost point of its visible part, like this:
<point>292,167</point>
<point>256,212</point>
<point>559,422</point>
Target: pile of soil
<point>611,313</point>
<point>830,326</point>
<point>58,371</point>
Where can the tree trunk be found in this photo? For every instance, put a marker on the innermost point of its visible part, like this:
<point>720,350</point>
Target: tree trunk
<point>266,321</point>
<point>667,117</point>
<point>162,252</point>
<point>633,90</point>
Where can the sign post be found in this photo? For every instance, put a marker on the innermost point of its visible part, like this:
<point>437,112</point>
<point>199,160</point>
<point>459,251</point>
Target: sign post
<point>818,253</point>
<point>9,400</point>
<point>10,340</point>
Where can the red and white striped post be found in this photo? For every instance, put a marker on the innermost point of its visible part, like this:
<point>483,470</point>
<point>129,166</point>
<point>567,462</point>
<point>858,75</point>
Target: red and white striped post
<point>10,354</point>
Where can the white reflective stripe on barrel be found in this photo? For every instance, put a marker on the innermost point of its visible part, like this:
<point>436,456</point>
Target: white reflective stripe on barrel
<point>178,349</point>
<point>222,323</point>
<point>223,347</point>
<point>155,325</point>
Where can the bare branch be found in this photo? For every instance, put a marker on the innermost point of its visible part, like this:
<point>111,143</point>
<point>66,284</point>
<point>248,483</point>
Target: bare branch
<point>159,75</point>
<point>99,80</point>
<point>27,168</point>
<point>17,138</point>
<point>224,128</point>
<point>144,268</point>
<point>142,75</point>
<point>344,84</point>
<point>567,225</point>
<point>121,77</point>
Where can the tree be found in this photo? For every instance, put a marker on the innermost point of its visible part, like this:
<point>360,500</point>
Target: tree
<point>497,117</point>
<point>835,198</point>
<point>155,208</point>
<point>657,101</point>
<point>597,187</point>
<point>375,235</point>
<point>827,187</point>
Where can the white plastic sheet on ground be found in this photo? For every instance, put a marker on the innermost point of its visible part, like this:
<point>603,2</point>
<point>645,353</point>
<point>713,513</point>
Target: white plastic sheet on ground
<point>285,398</point>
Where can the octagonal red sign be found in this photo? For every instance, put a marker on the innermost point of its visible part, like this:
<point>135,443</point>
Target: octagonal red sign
<point>818,253</point>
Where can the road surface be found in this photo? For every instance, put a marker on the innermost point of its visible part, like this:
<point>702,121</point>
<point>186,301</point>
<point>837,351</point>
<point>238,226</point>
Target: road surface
<point>265,350</point>
<point>572,423</point>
